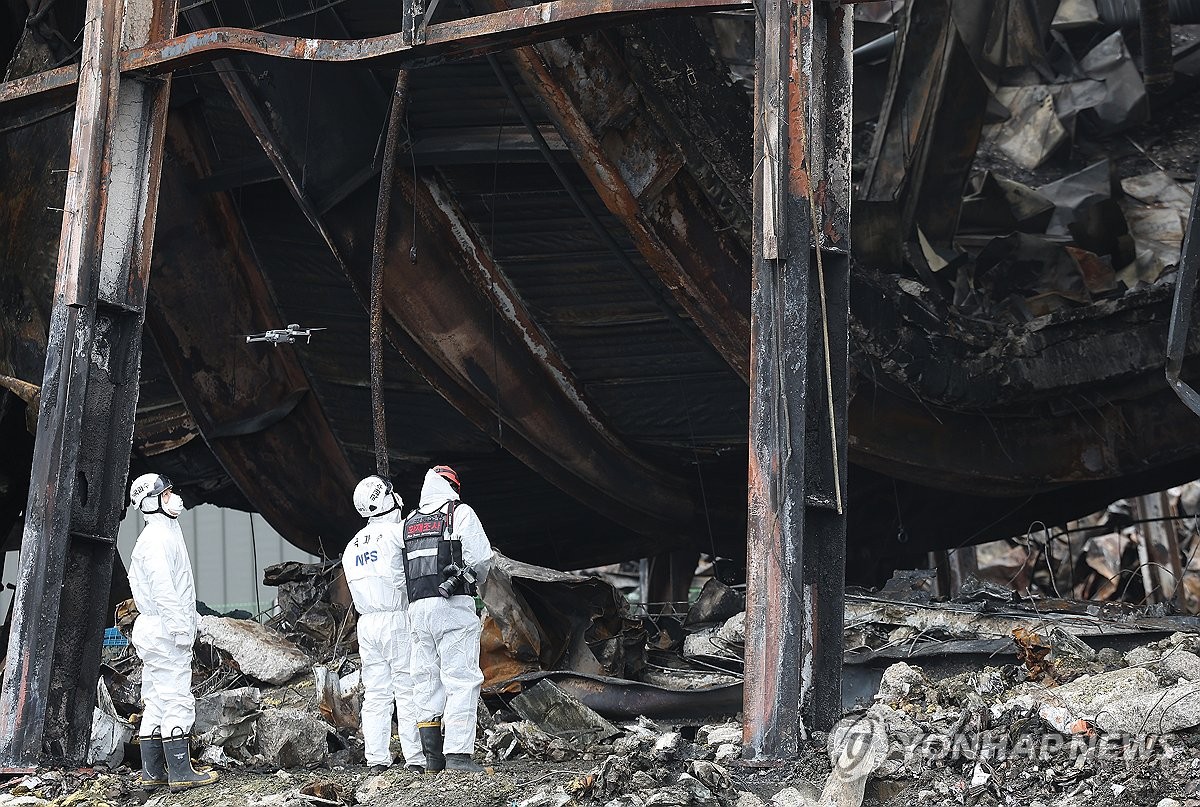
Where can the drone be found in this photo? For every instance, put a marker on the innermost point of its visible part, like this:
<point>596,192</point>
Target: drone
<point>283,336</point>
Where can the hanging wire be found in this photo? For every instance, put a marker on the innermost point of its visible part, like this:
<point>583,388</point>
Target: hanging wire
<point>258,609</point>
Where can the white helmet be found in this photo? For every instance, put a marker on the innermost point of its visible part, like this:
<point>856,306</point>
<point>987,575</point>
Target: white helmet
<point>145,488</point>
<point>374,497</point>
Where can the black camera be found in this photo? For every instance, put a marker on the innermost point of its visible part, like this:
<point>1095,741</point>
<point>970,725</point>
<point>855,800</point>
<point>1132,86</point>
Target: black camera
<point>457,580</point>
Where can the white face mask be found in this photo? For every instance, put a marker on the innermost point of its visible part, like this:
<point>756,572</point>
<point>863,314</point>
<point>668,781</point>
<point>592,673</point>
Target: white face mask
<point>173,506</point>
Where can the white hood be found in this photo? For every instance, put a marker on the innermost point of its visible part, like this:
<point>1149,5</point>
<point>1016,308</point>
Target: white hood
<point>435,492</point>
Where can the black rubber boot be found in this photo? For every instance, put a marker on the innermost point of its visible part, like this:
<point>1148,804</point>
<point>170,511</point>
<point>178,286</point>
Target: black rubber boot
<point>154,764</point>
<point>180,772</point>
<point>431,744</point>
<point>462,763</point>
<point>417,769</point>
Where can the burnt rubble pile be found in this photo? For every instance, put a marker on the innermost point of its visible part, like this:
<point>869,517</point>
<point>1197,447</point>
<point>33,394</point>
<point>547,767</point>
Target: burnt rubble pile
<point>316,610</point>
<point>992,698</point>
<point>1070,726</point>
<point>582,633</point>
<point>1011,160</point>
<point>1140,550</point>
<point>1067,727</point>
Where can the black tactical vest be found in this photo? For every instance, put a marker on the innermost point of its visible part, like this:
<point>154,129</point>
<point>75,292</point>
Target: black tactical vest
<point>428,550</point>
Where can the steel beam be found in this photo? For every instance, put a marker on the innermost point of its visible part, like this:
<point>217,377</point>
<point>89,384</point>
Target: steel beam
<point>89,392</point>
<point>796,541</point>
<point>378,245</point>
<point>455,39</point>
<point>928,133</point>
<point>1157,57</point>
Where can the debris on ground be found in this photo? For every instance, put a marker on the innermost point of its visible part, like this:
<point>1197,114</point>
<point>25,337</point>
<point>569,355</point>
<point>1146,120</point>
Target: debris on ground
<point>226,721</point>
<point>110,731</point>
<point>1058,717</point>
<point>1141,550</point>
<point>315,609</point>
<point>291,738</point>
<point>557,713</point>
<point>259,652</point>
<point>339,699</point>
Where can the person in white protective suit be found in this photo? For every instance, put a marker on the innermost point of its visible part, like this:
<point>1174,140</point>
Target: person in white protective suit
<point>160,575</point>
<point>446,556</point>
<point>374,567</point>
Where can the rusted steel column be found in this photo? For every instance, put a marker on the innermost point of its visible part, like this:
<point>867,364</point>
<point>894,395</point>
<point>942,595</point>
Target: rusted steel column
<point>798,387</point>
<point>1157,58</point>
<point>89,393</point>
<point>378,250</point>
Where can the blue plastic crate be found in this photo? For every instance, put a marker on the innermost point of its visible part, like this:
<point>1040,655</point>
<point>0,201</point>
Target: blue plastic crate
<point>114,638</point>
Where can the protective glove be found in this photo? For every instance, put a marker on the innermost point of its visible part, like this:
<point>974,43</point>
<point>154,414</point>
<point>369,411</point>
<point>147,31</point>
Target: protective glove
<point>183,641</point>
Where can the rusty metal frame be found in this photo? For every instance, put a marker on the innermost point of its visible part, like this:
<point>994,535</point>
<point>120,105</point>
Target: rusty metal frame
<point>100,308</point>
<point>796,541</point>
<point>456,39</point>
<point>924,146</point>
<point>89,392</point>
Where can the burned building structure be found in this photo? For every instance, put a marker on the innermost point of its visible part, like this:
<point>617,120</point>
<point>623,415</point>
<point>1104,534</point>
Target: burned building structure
<point>545,217</point>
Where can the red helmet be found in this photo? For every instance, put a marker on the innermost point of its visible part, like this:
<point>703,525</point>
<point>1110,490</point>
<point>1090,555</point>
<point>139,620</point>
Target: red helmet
<point>448,473</point>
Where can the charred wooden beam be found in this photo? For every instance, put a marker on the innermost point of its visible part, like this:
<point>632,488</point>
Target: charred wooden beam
<point>88,393</point>
<point>455,39</point>
<point>524,394</point>
<point>796,541</point>
<point>252,404</point>
<point>639,174</point>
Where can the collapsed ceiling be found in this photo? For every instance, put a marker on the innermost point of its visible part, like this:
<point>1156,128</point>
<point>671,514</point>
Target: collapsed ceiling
<point>567,276</point>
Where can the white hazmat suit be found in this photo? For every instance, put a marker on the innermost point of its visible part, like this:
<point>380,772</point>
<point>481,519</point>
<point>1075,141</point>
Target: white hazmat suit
<point>446,631</point>
<point>160,575</point>
<point>374,567</point>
